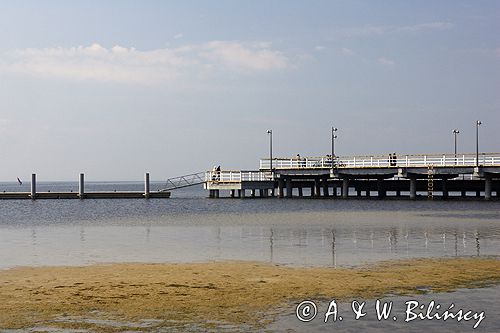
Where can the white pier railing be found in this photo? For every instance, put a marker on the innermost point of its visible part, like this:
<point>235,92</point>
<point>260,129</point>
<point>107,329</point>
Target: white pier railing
<point>377,161</point>
<point>237,176</point>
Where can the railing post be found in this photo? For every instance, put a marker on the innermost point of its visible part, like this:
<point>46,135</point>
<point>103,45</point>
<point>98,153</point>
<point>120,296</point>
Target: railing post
<point>406,160</point>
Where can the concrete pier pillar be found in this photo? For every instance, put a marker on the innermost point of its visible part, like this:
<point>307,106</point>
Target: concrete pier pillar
<point>300,191</point>
<point>242,194</point>
<point>252,193</point>
<point>216,193</point>
<point>33,186</point>
<point>368,193</point>
<point>345,188</point>
<point>478,194</point>
<point>325,188</point>
<point>444,188</point>
<point>146,184</point>
<point>463,194</point>
<point>487,188</point>
<point>211,194</point>
<point>312,190</point>
<point>261,193</point>
<point>358,192</point>
<point>334,191</point>
<point>281,185</point>
<point>289,188</point>
<point>413,188</point>
<point>266,193</point>
<point>380,188</point>
<point>398,193</point>
<point>232,193</point>
<point>317,187</point>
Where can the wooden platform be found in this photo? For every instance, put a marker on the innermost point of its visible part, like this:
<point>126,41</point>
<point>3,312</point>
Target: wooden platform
<point>75,195</point>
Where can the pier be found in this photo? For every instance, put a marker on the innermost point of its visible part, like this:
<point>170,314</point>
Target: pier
<point>82,194</point>
<point>429,176</point>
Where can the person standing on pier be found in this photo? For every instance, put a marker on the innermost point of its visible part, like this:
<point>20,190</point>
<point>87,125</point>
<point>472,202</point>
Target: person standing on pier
<point>299,163</point>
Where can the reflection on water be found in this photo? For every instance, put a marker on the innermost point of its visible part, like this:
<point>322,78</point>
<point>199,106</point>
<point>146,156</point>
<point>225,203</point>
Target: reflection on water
<point>343,244</point>
<point>190,227</point>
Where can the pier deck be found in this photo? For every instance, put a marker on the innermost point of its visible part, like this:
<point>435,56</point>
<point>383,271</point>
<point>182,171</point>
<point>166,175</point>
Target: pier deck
<point>81,194</point>
<point>76,195</point>
<point>404,176</point>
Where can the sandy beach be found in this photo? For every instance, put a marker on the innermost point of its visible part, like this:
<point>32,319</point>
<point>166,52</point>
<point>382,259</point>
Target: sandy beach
<point>139,296</point>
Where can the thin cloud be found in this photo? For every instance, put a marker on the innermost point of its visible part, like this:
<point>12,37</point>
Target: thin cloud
<point>391,29</point>
<point>346,51</point>
<point>254,56</point>
<point>426,27</point>
<point>385,61</point>
<point>129,65</point>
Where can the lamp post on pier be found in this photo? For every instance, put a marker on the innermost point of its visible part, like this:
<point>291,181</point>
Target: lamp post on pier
<point>455,132</point>
<point>478,123</point>
<point>270,132</point>
<point>334,136</point>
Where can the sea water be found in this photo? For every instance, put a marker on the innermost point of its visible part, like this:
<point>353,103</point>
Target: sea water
<point>189,227</point>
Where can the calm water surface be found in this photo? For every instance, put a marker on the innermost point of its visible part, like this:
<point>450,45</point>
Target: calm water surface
<point>191,228</point>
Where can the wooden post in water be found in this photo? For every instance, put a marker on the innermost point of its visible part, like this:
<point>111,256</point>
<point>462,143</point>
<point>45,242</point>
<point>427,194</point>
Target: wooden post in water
<point>487,188</point>
<point>81,187</point>
<point>317,187</point>
<point>289,188</point>
<point>345,188</point>
<point>33,186</point>
<point>325,188</point>
<point>281,185</point>
<point>444,188</point>
<point>413,188</point>
<point>146,185</point>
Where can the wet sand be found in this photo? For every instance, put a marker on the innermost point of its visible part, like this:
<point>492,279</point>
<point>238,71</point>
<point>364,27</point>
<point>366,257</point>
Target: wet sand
<point>212,295</point>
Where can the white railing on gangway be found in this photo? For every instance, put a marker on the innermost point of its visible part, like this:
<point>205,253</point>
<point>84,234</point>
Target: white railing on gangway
<point>237,176</point>
<point>438,160</point>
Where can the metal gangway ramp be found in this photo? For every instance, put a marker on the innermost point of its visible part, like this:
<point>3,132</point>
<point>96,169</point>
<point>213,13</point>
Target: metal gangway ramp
<point>184,181</point>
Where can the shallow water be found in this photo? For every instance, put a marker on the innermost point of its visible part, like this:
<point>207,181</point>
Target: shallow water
<point>324,232</point>
<point>476,300</point>
<point>189,227</point>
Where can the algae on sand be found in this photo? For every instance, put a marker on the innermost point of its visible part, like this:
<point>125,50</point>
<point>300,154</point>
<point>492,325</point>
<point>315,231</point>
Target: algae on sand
<point>210,294</point>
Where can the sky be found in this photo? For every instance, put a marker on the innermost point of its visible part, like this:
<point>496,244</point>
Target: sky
<point>115,89</point>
